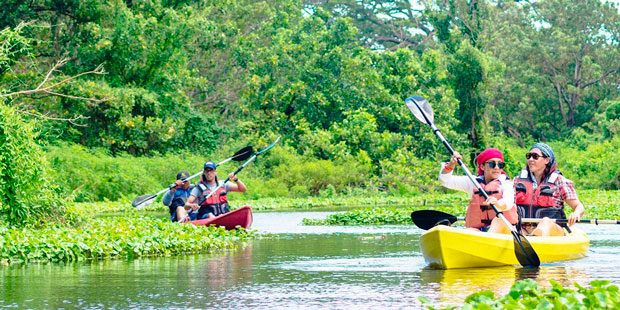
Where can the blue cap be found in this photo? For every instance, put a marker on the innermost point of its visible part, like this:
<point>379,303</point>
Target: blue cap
<point>182,175</point>
<point>210,165</point>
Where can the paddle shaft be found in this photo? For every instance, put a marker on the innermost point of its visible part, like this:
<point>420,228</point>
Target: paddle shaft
<point>525,253</point>
<point>563,221</point>
<point>443,140</point>
<point>148,199</point>
<point>238,170</point>
<point>193,176</point>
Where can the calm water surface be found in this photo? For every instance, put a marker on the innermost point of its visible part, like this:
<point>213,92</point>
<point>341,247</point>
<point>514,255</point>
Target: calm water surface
<point>297,267</point>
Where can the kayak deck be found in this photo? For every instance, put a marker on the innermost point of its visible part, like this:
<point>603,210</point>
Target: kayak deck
<point>448,247</point>
<point>238,217</point>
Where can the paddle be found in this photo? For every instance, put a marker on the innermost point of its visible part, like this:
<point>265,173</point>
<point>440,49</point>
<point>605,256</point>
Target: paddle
<point>423,111</point>
<point>427,219</point>
<point>145,200</point>
<point>240,168</point>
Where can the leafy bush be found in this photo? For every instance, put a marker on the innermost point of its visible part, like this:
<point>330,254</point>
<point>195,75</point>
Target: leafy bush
<point>26,192</point>
<point>596,166</point>
<point>404,173</point>
<point>95,175</point>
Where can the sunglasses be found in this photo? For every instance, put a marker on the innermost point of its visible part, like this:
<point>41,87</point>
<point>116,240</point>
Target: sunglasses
<point>493,164</point>
<point>534,156</point>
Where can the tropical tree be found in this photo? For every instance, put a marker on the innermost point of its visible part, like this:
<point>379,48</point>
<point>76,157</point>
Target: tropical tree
<point>384,25</point>
<point>562,60</point>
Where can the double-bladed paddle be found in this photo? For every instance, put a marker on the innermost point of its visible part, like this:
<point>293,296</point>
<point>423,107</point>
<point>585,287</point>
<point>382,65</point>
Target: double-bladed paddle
<point>240,168</point>
<point>427,219</point>
<point>145,200</point>
<point>423,111</point>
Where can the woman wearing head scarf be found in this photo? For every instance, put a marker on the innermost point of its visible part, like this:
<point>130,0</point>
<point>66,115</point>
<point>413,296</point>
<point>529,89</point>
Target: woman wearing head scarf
<point>541,191</point>
<point>495,183</point>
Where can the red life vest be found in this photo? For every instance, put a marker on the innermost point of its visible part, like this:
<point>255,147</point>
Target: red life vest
<point>216,203</point>
<point>539,202</point>
<point>479,216</point>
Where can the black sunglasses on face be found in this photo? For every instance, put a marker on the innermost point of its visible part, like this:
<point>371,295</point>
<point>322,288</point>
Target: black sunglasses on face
<point>493,164</point>
<point>534,156</point>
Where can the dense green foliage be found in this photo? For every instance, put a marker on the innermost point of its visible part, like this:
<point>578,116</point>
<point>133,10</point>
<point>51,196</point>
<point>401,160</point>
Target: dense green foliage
<point>26,193</point>
<point>113,238</point>
<point>94,175</point>
<point>527,294</point>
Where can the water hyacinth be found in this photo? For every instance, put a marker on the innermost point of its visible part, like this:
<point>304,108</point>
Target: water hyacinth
<point>120,237</point>
<point>527,294</point>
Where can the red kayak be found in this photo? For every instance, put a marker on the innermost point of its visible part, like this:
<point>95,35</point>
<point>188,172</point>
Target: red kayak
<point>239,217</point>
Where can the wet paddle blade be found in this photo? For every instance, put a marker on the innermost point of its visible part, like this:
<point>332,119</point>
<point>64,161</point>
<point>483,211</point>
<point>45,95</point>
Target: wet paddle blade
<point>526,255</point>
<point>243,154</point>
<point>415,103</point>
<point>427,219</point>
<point>143,201</point>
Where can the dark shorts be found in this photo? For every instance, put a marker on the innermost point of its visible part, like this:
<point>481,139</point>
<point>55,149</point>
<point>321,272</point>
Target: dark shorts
<point>192,216</point>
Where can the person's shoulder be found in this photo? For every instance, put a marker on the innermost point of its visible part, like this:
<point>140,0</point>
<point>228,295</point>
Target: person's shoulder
<point>195,190</point>
<point>564,180</point>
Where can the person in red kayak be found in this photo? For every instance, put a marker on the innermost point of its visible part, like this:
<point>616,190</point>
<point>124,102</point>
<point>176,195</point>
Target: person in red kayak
<point>209,186</point>
<point>541,191</point>
<point>177,196</point>
<point>495,183</point>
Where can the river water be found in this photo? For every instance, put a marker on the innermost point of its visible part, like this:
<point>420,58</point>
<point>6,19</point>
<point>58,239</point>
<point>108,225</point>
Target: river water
<point>301,267</point>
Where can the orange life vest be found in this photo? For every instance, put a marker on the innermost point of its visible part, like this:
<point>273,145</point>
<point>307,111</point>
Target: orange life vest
<point>539,202</point>
<point>479,216</point>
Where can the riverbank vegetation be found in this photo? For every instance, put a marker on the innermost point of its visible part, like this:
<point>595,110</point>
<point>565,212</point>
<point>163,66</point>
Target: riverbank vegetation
<point>113,237</point>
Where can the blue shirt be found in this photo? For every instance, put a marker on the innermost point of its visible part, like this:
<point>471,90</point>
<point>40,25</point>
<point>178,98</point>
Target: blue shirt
<point>178,193</point>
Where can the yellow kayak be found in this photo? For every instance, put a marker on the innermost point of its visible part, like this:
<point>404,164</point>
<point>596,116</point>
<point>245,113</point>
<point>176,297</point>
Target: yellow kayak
<point>447,247</point>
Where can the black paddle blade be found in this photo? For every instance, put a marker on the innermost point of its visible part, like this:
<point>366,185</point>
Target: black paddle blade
<point>526,255</point>
<point>415,103</point>
<point>243,154</point>
<point>143,201</point>
<point>427,219</point>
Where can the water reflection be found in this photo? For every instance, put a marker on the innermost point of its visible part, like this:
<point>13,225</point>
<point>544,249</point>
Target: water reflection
<point>454,285</point>
<point>225,270</point>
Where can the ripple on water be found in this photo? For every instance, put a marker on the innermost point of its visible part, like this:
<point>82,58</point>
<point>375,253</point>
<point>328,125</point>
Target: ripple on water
<point>370,264</point>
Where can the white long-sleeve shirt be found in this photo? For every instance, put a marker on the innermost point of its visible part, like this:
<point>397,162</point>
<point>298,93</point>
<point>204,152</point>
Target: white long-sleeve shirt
<point>464,184</point>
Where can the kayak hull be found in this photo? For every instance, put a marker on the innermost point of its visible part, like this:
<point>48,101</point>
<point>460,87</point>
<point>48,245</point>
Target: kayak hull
<point>446,247</point>
<point>238,217</point>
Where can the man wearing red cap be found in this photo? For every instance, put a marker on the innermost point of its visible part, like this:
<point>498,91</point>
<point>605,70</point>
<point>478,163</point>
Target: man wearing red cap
<point>495,183</point>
